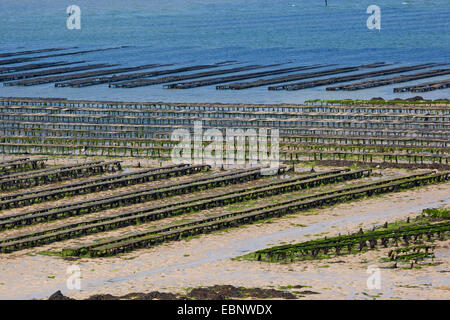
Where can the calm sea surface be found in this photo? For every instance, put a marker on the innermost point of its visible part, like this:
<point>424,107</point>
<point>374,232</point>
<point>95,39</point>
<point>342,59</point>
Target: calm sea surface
<point>302,32</point>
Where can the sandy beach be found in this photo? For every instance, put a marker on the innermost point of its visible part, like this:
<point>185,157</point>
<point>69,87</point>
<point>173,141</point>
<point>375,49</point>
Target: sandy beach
<point>206,260</point>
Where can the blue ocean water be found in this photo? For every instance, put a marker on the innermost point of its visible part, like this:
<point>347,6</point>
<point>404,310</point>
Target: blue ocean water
<point>302,32</point>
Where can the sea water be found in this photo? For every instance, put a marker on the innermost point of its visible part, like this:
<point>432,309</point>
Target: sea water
<point>295,32</point>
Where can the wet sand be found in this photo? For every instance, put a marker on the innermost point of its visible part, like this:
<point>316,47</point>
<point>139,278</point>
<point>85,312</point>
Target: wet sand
<point>206,260</point>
